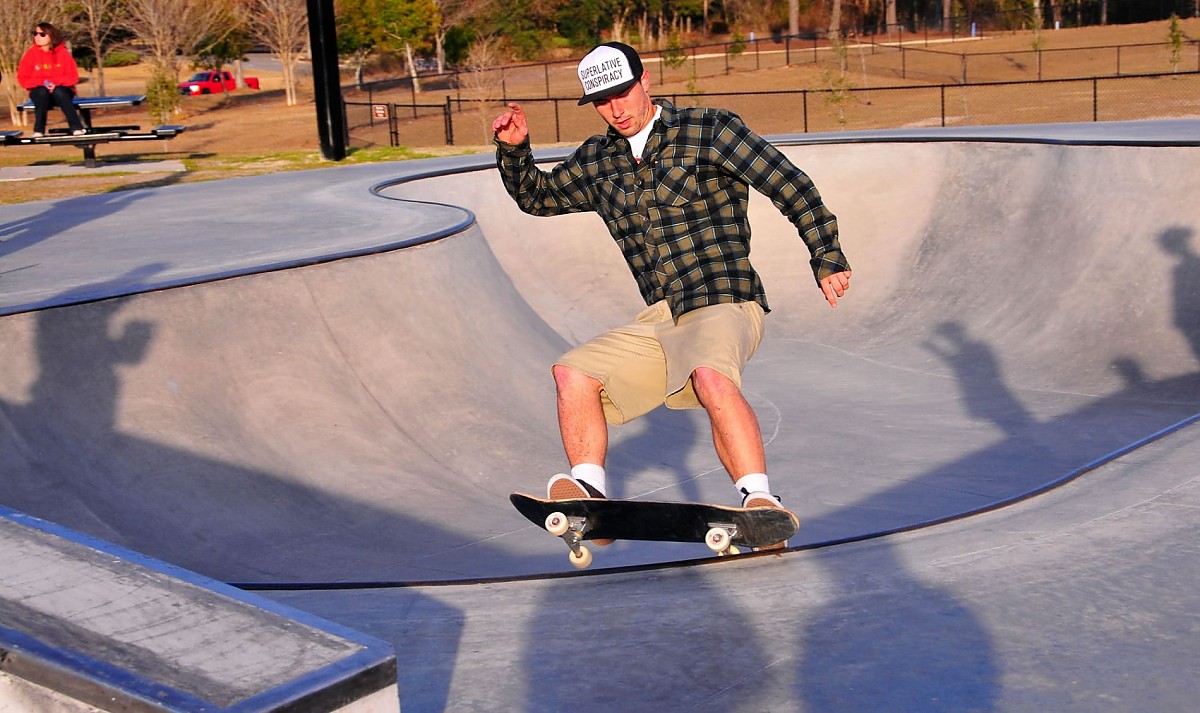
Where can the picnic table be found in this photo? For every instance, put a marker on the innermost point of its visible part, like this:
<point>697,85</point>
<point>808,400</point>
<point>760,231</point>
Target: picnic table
<point>95,134</point>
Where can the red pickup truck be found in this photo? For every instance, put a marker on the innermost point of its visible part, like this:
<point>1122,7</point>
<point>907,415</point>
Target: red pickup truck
<point>209,82</point>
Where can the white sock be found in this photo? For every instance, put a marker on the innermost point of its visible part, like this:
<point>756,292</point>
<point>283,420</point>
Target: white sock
<point>591,474</point>
<point>752,483</point>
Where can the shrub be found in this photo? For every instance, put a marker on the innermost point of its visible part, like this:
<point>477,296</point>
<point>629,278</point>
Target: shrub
<point>121,58</point>
<point>162,95</point>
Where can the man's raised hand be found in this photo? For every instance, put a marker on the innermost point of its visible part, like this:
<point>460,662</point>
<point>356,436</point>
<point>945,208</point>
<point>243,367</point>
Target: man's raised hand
<point>511,127</point>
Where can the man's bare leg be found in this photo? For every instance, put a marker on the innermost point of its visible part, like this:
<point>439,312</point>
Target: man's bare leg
<point>584,433</point>
<point>737,437</point>
<point>736,434</point>
<point>581,416</point>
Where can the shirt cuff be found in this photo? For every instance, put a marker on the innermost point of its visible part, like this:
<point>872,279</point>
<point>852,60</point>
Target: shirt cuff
<point>512,149</point>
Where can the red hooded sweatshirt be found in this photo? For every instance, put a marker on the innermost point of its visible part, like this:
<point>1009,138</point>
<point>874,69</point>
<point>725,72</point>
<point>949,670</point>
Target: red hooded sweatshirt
<point>38,66</point>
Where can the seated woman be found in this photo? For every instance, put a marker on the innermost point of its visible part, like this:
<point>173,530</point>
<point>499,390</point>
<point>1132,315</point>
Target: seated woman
<point>48,71</point>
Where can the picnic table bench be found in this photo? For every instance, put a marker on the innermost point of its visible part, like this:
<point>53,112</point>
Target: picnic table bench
<point>95,134</point>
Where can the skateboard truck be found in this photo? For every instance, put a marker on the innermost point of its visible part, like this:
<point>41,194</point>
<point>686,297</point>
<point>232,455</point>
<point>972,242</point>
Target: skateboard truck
<point>720,539</point>
<point>571,529</point>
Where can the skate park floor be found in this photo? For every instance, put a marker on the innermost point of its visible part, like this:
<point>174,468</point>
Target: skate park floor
<point>321,387</point>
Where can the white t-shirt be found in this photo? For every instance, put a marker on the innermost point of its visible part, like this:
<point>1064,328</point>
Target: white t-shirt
<point>637,142</point>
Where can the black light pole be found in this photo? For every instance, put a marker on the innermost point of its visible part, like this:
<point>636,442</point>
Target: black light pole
<point>331,116</point>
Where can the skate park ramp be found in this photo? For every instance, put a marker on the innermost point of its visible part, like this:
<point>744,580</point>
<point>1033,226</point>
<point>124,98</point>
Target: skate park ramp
<point>328,389</point>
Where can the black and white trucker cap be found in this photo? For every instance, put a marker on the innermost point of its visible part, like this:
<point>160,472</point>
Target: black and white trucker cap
<point>609,69</point>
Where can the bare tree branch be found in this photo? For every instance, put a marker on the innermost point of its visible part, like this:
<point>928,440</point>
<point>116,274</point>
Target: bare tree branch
<point>281,25</point>
<point>17,18</point>
<point>96,20</point>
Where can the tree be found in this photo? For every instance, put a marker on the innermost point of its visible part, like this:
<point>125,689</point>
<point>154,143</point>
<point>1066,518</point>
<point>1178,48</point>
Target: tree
<point>456,13</point>
<point>17,18</point>
<point>99,23</point>
<point>407,25</point>
<point>355,34</point>
<point>526,26</point>
<point>484,60</point>
<point>1056,12</point>
<point>172,30</point>
<point>1175,42</point>
<point>282,25</point>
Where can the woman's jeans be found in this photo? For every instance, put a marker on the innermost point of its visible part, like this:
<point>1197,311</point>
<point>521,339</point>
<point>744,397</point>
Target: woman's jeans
<point>63,97</point>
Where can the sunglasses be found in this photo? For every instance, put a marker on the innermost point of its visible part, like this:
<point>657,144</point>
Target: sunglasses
<point>39,33</point>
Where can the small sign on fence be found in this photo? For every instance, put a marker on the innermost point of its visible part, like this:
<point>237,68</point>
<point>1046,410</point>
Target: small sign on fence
<point>380,111</point>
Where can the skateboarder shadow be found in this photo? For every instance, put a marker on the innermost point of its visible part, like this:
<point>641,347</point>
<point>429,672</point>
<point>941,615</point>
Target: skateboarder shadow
<point>1177,242</point>
<point>61,216</point>
<point>979,376</point>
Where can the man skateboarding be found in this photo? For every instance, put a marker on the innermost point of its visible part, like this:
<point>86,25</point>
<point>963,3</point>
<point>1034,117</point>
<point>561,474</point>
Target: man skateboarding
<point>672,186</point>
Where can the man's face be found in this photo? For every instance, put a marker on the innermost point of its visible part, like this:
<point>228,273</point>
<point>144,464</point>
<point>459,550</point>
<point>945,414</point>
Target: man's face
<point>630,112</point>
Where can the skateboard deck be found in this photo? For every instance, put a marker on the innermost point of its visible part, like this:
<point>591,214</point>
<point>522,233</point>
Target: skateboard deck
<point>723,529</point>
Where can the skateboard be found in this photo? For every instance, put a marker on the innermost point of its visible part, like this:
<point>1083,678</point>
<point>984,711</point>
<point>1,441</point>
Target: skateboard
<point>723,529</point>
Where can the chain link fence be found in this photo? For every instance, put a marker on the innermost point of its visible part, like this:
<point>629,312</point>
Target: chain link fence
<point>862,85</point>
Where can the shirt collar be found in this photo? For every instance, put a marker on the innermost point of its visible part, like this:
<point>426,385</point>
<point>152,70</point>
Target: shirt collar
<point>668,120</point>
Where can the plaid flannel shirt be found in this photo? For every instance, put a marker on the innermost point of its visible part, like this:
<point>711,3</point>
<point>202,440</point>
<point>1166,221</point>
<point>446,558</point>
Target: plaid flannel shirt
<point>679,215</point>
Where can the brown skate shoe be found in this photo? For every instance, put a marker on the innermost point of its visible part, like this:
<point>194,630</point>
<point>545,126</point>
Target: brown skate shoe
<point>564,487</point>
<point>764,500</point>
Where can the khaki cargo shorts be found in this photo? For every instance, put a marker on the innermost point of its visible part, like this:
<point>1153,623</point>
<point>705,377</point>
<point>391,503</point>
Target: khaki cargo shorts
<point>650,362</point>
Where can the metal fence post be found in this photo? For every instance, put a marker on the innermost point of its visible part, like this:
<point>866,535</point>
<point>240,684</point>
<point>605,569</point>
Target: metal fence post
<point>449,114</point>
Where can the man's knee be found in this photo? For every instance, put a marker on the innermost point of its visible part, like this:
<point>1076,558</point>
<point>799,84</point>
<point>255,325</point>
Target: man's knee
<point>573,381</point>
<point>711,384</point>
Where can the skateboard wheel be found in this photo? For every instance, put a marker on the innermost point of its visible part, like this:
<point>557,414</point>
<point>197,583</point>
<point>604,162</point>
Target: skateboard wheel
<point>718,540</point>
<point>557,524</point>
<point>733,550</point>
<point>581,559</point>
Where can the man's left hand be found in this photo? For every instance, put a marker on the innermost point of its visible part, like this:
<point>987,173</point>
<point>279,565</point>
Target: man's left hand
<point>835,286</point>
